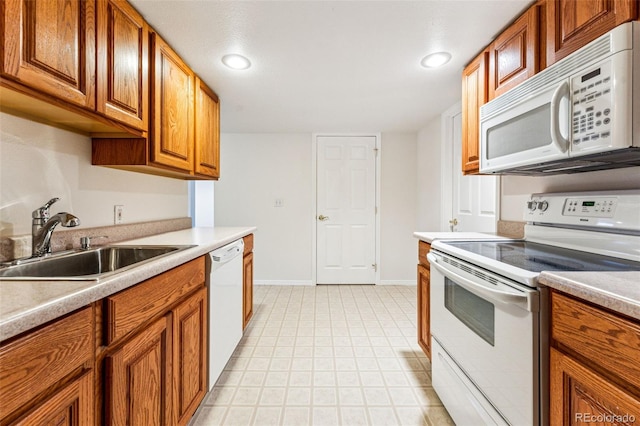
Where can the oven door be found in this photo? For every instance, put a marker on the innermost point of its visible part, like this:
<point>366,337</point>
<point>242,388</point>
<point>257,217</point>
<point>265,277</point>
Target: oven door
<point>488,327</point>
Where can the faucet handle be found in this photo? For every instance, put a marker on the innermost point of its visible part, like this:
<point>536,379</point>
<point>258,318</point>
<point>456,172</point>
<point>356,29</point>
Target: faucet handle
<point>85,242</point>
<point>43,212</point>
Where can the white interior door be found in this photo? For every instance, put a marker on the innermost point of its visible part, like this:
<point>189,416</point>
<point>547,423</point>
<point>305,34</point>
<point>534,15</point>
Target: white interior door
<point>474,198</point>
<point>346,210</point>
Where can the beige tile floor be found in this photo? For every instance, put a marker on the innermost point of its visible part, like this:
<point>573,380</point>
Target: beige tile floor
<point>327,355</point>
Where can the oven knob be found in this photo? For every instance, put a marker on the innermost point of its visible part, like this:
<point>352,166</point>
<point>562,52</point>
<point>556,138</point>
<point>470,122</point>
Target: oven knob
<point>531,205</point>
<point>543,205</point>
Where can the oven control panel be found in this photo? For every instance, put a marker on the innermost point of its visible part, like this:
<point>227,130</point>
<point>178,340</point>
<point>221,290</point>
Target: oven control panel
<point>605,209</point>
<point>590,207</point>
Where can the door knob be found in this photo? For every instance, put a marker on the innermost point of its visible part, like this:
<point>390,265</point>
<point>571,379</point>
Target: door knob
<point>323,217</point>
<point>453,222</point>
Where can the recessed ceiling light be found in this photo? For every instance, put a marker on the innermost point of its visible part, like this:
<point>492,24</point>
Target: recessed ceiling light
<point>435,60</point>
<point>236,62</point>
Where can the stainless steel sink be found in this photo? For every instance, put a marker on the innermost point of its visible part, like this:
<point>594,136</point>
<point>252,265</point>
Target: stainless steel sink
<point>89,264</point>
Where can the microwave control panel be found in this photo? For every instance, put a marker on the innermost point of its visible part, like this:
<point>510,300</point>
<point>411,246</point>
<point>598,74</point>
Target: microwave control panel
<point>592,105</point>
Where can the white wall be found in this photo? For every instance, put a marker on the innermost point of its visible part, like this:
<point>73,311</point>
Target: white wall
<point>398,208</point>
<point>39,162</point>
<point>429,176</point>
<point>515,190</point>
<point>258,168</point>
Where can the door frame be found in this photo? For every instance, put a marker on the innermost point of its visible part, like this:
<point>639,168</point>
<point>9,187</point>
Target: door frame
<point>314,202</point>
<point>446,158</point>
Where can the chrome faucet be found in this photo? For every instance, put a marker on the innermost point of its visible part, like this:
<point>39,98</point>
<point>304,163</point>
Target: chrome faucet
<point>42,227</point>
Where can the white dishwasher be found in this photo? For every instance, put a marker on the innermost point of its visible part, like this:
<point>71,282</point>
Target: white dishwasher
<point>225,306</point>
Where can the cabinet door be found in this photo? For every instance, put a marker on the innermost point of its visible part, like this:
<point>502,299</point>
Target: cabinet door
<point>424,326</point>
<point>138,385</point>
<point>207,148</point>
<point>71,406</point>
<point>189,356</point>
<point>573,23</point>
<point>514,54</point>
<point>580,396</point>
<point>50,46</point>
<point>172,108</point>
<point>123,58</point>
<point>474,95</point>
<point>247,289</point>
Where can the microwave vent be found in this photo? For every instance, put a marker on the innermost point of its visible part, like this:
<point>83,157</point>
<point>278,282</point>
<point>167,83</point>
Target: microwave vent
<point>554,74</point>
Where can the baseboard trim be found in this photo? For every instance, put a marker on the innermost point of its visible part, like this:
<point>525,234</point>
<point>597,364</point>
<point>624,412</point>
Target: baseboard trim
<point>398,282</point>
<point>282,282</point>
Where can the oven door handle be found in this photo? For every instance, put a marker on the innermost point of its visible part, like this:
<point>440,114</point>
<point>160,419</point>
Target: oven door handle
<point>520,299</point>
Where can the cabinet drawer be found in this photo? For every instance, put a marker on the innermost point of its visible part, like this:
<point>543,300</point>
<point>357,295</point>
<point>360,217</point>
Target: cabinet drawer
<point>609,341</point>
<point>248,244</point>
<point>32,364</point>
<point>423,249</point>
<point>132,307</point>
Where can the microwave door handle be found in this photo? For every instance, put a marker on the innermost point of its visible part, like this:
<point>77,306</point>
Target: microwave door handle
<point>556,136</point>
<point>482,291</point>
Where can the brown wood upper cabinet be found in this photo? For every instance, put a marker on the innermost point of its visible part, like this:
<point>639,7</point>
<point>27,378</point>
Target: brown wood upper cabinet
<point>172,120</point>
<point>474,95</point>
<point>515,53</point>
<point>184,124</point>
<point>123,64</point>
<point>50,46</point>
<point>207,144</point>
<point>573,23</point>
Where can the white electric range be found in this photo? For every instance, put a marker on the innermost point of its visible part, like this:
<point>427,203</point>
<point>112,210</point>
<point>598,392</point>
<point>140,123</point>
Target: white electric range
<point>489,316</point>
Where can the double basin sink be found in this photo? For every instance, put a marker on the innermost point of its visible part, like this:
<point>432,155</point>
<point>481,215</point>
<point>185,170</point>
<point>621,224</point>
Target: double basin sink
<point>90,264</point>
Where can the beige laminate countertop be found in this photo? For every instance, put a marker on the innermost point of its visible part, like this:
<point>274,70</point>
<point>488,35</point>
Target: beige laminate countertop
<point>28,304</point>
<point>618,291</point>
<point>430,236</point>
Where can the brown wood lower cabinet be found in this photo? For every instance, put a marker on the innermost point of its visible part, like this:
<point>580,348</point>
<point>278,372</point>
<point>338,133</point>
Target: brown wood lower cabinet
<point>189,356</point>
<point>247,281</point>
<point>72,405</point>
<point>137,357</point>
<point>156,361</point>
<point>580,396</point>
<point>423,300</point>
<point>594,367</point>
<point>44,373</point>
<point>138,383</point>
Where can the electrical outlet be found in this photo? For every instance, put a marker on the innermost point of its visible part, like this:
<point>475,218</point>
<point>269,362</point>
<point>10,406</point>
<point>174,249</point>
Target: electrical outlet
<point>118,214</point>
<point>278,203</point>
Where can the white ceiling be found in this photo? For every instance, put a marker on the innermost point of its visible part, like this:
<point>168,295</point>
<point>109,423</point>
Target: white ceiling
<point>329,66</point>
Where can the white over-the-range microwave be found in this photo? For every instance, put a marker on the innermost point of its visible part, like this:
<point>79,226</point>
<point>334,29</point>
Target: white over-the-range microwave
<point>580,114</point>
